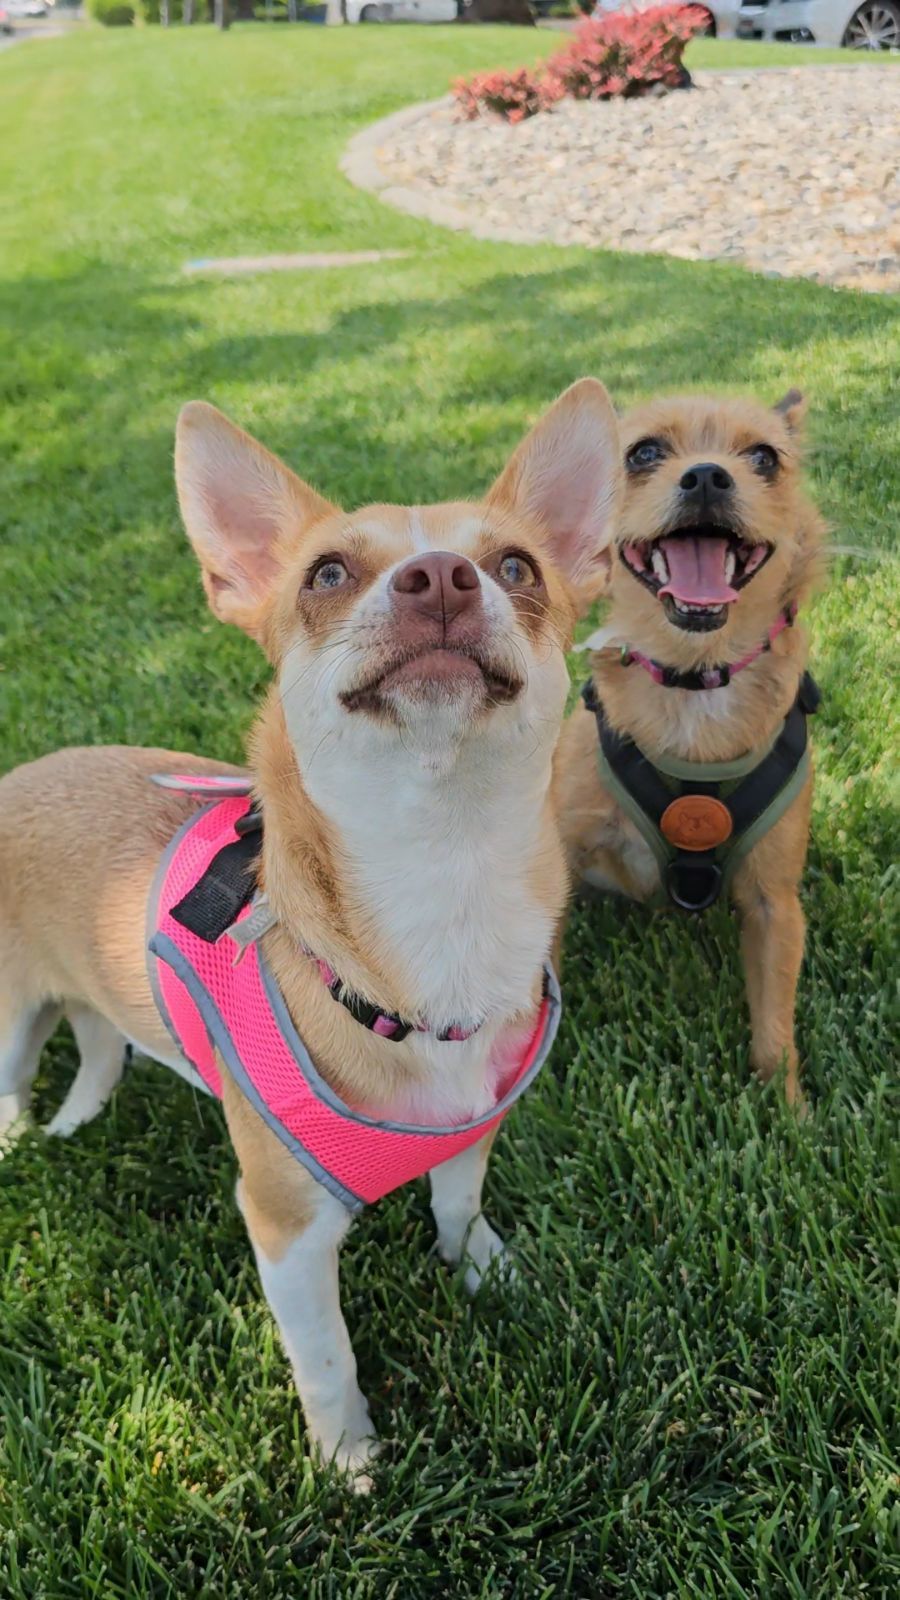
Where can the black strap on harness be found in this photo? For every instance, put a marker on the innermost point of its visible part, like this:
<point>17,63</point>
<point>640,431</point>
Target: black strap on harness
<point>693,879</point>
<point>227,886</point>
<point>229,882</point>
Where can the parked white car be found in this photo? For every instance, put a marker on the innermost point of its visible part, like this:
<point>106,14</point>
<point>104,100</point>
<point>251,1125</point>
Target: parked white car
<point>402,10</point>
<point>856,24</point>
<point>723,14</point>
<point>869,25</point>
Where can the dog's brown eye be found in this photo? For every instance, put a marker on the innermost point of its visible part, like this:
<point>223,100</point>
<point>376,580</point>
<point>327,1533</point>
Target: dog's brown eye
<point>329,573</point>
<point>517,571</point>
<point>646,453</point>
<point>763,458</point>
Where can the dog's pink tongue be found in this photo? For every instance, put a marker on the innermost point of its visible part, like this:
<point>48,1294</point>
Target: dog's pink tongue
<point>697,570</point>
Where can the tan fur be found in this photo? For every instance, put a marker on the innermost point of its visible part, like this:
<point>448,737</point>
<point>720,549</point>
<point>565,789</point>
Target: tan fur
<point>603,845</point>
<point>278,1198</point>
<point>73,895</point>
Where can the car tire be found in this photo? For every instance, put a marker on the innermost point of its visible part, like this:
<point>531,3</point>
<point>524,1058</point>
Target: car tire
<point>708,31</point>
<point>874,26</point>
<point>370,14</point>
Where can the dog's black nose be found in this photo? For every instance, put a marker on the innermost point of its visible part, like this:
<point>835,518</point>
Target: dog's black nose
<point>706,485</point>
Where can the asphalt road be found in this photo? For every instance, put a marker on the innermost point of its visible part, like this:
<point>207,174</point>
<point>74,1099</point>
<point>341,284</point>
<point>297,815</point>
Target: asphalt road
<point>31,30</point>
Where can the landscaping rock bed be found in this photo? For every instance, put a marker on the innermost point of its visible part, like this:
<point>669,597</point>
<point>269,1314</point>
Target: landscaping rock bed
<point>790,172</point>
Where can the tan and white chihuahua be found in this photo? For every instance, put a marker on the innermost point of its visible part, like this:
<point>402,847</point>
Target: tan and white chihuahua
<point>403,761</point>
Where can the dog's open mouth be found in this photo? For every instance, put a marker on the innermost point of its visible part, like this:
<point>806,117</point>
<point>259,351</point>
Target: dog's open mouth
<point>436,670</point>
<point>697,573</point>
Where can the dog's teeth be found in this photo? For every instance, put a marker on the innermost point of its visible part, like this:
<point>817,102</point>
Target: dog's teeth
<point>729,566</point>
<point>658,563</point>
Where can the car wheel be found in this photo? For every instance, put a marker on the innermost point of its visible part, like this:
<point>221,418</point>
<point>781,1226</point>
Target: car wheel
<point>370,14</point>
<point>875,26</point>
<point>708,31</point>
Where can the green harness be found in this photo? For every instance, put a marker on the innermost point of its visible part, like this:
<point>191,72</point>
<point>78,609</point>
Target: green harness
<point>755,790</point>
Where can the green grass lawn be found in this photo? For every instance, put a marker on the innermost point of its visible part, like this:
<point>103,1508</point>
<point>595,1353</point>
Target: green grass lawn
<point>696,1394</point>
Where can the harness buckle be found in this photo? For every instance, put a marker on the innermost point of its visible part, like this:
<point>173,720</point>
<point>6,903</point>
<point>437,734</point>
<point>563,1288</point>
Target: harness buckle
<point>693,885</point>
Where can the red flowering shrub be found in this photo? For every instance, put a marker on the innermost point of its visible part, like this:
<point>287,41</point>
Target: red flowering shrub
<point>624,53</point>
<point>513,95</point>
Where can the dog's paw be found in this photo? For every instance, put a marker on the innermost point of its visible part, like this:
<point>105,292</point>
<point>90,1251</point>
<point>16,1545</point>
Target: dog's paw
<point>15,1119</point>
<point>355,1458</point>
<point>797,1102</point>
<point>352,1449</point>
<point>486,1255</point>
<point>60,1127</point>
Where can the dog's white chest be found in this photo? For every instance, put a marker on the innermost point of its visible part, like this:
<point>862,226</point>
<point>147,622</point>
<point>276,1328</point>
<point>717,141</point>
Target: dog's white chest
<point>445,882</point>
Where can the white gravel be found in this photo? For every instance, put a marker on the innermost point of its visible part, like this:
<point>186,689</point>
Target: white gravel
<point>789,172</point>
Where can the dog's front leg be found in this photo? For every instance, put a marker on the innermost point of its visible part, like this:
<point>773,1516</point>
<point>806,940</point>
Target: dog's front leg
<point>772,934</point>
<point>300,1280</point>
<point>296,1228</point>
<point>456,1203</point>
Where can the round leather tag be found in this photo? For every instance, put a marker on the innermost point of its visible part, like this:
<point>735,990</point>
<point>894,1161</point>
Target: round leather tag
<point>696,822</point>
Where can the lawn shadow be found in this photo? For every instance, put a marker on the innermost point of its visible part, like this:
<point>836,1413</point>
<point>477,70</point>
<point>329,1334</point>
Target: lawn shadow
<point>497,350</point>
<point>104,348</point>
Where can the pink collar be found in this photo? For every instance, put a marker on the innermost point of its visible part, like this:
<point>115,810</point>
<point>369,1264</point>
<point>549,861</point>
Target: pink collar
<point>713,677</point>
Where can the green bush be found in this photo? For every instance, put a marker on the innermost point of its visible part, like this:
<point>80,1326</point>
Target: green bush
<point>112,13</point>
<point>148,11</point>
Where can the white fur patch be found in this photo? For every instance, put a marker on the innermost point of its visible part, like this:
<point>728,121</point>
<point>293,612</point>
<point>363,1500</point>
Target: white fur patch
<point>440,820</point>
<point>601,639</point>
<point>688,713</point>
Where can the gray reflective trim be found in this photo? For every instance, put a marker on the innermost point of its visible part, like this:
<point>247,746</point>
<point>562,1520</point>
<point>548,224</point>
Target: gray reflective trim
<point>163,947</point>
<point>323,1091</point>
<point>221,786</point>
<point>156,888</point>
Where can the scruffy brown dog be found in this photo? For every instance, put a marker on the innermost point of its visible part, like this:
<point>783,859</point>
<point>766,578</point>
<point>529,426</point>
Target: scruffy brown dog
<point>699,782</point>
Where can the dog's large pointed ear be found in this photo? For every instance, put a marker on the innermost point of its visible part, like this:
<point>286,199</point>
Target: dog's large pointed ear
<point>792,409</point>
<point>244,511</point>
<point>567,476</point>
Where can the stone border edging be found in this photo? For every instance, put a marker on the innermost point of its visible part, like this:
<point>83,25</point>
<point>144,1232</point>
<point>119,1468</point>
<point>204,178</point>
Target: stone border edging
<point>359,164</point>
<point>359,161</point>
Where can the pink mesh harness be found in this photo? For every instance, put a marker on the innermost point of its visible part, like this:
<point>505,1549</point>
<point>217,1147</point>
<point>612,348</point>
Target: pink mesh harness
<point>210,1004</point>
